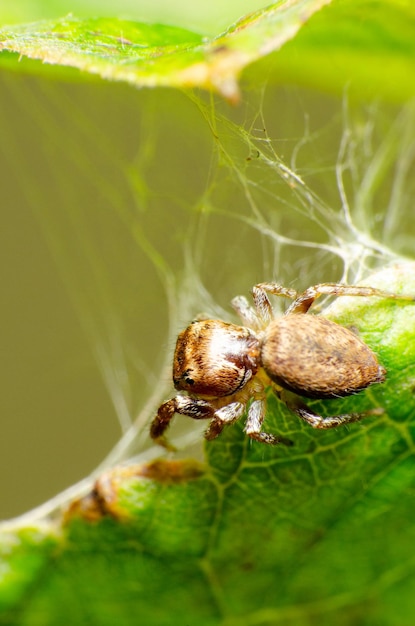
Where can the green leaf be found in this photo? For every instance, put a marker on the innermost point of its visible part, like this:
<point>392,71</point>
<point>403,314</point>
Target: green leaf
<point>260,535</point>
<point>155,55</point>
<point>358,44</point>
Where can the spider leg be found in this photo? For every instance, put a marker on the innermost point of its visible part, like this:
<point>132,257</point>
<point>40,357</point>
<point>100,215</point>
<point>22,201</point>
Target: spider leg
<point>304,301</point>
<point>318,421</point>
<point>223,417</point>
<point>256,415</point>
<point>184,405</point>
<point>261,301</point>
<point>246,313</point>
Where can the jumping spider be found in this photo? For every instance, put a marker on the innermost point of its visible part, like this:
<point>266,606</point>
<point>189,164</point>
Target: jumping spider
<point>223,366</point>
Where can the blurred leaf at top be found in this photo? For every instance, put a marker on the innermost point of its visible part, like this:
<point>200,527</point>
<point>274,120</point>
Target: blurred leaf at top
<point>151,55</point>
<point>327,51</point>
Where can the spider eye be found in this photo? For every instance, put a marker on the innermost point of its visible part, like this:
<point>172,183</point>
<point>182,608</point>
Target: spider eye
<point>184,380</point>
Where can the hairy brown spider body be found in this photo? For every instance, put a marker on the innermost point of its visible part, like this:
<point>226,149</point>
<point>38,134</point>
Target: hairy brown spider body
<point>316,358</point>
<point>223,366</point>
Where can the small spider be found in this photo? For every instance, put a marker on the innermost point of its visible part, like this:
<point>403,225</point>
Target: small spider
<point>223,366</point>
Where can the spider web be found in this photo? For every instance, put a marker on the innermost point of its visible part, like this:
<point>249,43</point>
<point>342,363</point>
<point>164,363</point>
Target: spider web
<point>181,203</point>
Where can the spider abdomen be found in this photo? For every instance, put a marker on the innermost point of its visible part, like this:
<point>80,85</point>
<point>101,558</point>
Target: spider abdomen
<point>317,358</point>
